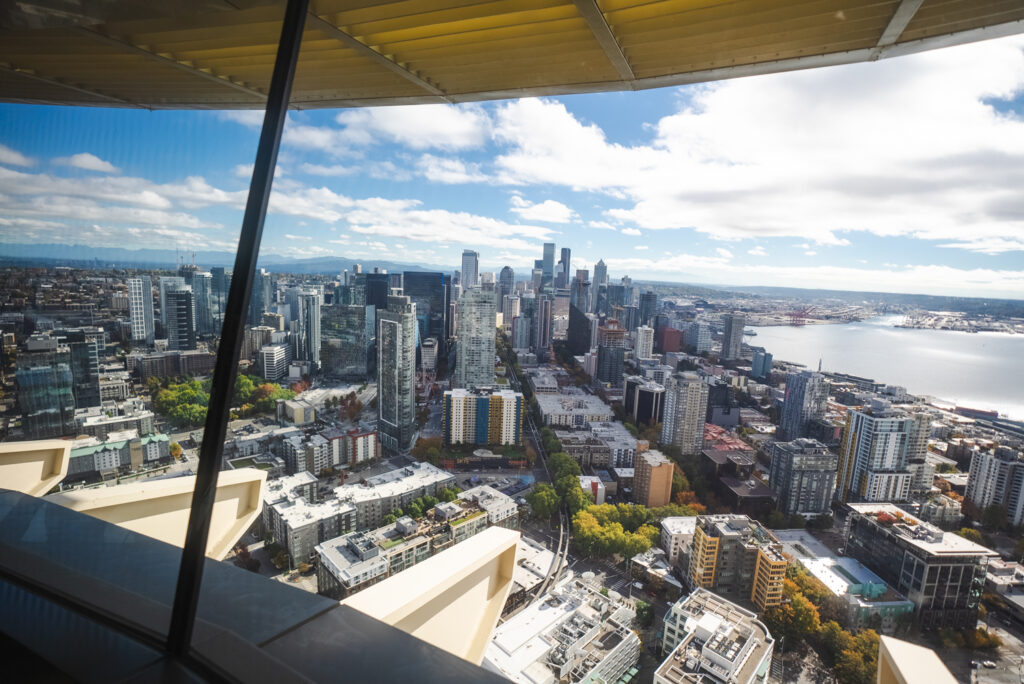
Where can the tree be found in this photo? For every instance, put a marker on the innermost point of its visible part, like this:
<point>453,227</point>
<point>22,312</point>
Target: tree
<point>971,535</point>
<point>175,449</point>
<point>993,518</point>
<point>561,464</point>
<point>576,499</point>
<point>543,500</point>
<point>280,560</point>
<point>644,613</point>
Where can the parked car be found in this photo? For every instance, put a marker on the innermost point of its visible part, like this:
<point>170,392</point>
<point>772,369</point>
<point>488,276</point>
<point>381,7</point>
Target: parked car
<point>989,664</point>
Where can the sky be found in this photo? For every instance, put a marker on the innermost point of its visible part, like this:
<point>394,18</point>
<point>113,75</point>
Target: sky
<point>901,175</point>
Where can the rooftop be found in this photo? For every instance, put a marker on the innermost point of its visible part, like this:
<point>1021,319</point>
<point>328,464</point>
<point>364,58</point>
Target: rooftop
<point>394,483</point>
<point>920,534</point>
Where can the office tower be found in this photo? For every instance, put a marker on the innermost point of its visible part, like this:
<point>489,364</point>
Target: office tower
<point>470,269</point>
<point>506,281</point>
<point>272,361</point>
<point>562,276</point>
<point>219,286</point>
<point>698,337</point>
<point>996,478</point>
<point>273,320</point>
<point>262,296</point>
<point>46,392</point>
<point>648,307</point>
<point>644,342</point>
<point>85,371</point>
<point>140,308</point>
<point>579,294</point>
<point>806,399</point>
<point>579,334</point>
<point>942,573</point>
<point>168,283</point>
<point>509,310</point>
<point>522,332</point>
<point>644,400</point>
<point>732,335</point>
<point>346,335</point>
<point>686,402</point>
<point>629,316</point>
<point>474,353</point>
<point>396,373</point>
<point>723,408</point>
<point>357,268</point>
<point>483,416</point>
<point>600,273</point>
<point>803,477</point>
<point>738,558</point>
<point>429,291</point>
<point>761,367</point>
<point>307,344</point>
<point>548,266</point>
<point>378,285</point>
<point>202,291</point>
<point>181,329</point>
<point>611,348</point>
<point>652,479</point>
<point>542,312</point>
<point>873,456</point>
<point>616,297</point>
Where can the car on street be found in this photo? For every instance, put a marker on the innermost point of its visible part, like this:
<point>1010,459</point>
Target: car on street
<point>989,664</point>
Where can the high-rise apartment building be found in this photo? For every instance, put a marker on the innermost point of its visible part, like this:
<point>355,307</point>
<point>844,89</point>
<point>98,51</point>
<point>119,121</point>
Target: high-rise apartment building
<point>474,364</point>
<point>85,369</point>
<point>219,286</point>
<point>652,479</point>
<point>806,399</point>
<point>470,269</point>
<point>396,373</point>
<point>140,308</point>
<point>509,311</point>
<point>644,400</point>
<point>272,361</point>
<point>737,558</point>
<point>698,337</point>
<point>644,342</point>
<point>996,478</point>
<point>307,341</point>
<point>803,476</point>
<point>732,335</point>
<point>168,284</point>
<point>262,296</point>
<point>611,349</point>
<point>181,330</point>
<point>686,405</point>
<point>761,366</point>
<point>202,291</point>
<point>873,455</point>
<point>483,416</point>
<point>942,573</point>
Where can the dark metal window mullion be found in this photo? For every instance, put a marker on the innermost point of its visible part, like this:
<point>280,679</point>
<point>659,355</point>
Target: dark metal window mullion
<point>186,596</point>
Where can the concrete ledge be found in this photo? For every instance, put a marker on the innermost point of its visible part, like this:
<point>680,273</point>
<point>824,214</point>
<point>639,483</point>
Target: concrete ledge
<point>36,467</point>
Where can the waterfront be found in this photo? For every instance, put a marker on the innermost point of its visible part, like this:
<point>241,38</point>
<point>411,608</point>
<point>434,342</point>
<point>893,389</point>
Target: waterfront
<point>980,370</point>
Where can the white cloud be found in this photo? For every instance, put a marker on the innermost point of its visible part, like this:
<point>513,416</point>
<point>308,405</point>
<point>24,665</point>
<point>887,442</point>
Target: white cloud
<point>328,170</point>
<point>290,236</point>
<point>420,127</point>
<point>724,253</point>
<point>602,225</point>
<point>640,247</point>
<point>987,245</point>
<point>631,231</point>
<point>757,251</point>
<point>13,157</point>
<point>450,171</point>
<point>810,252</point>
<point>87,162</point>
<point>908,146</point>
<point>243,170</point>
<point>548,211</point>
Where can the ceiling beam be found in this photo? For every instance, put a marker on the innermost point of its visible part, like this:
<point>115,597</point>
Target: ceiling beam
<point>595,19</point>
<point>173,61</point>
<point>35,76</point>
<point>897,25</point>
<point>318,23</point>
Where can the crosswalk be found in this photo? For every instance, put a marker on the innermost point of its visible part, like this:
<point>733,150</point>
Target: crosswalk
<point>619,585</point>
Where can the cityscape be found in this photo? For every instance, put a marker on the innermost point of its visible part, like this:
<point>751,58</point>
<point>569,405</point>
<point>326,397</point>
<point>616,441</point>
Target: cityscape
<point>534,341</point>
<point>695,505</point>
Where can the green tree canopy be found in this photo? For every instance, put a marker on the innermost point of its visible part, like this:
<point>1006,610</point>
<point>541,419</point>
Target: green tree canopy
<point>543,500</point>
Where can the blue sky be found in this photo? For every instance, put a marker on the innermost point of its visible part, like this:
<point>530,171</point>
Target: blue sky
<point>900,175</point>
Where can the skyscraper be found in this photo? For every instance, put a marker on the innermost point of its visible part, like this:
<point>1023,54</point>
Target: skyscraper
<point>548,266</point>
<point>600,273</point>
<point>644,345</point>
<point>346,335</point>
<point>181,329</point>
<point>168,283</point>
<point>45,392</point>
<point>806,399</point>
<point>262,296</point>
<point>611,348</point>
<point>562,277</point>
<point>761,366</point>
<point>506,282</point>
<point>648,307</point>
<point>470,269</point>
<point>140,308</point>
<point>202,291</point>
<point>698,337</point>
<point>308,338</point>
<point>732,336</point>
<point>396,373</point>
<point>509,310</point>
<point>474,365</point>
<point>578,335</point>
<point>873,456</point>
<point>430,293</point>
<point>85,370</point>
<point>686,405</point>
<point>219,290</point>
<point>803,476</point>
<point>378,285</point>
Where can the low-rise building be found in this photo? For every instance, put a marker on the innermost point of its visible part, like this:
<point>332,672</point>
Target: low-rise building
<point>379,495</point>
<point>710,639</point>
<point>501,509</point>
<point>942,511</point>
<point>120,452</point>
<point>573,635</point>
<point>869,602</point>
<point>572,409</point>
<point>593,485</point>
<point>100,421</point>
<point>294,519</point>
<point>942,573</point>
<point>676,538</point>
<point>1004,577</point>
<point>534,562</point>
<point>653,569</point>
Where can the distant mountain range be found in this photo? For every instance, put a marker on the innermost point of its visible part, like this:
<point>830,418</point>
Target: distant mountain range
<point>118,257</point>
